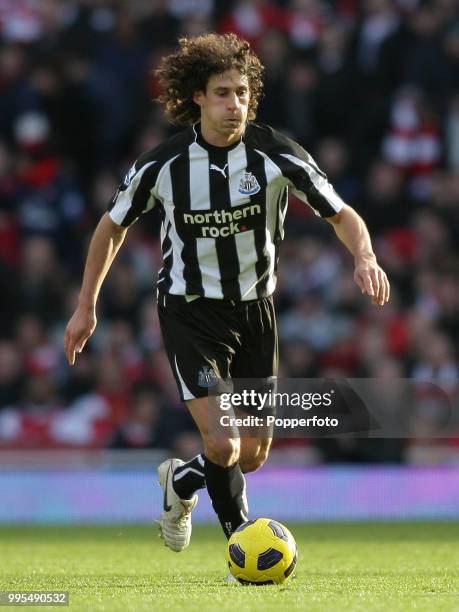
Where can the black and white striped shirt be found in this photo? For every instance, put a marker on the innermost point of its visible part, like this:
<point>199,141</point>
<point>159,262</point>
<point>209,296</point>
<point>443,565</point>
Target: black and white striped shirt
<point>223,208</point>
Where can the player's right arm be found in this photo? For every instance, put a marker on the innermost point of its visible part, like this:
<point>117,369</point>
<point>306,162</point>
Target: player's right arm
<point>105,243</point>
<point>134,197</point>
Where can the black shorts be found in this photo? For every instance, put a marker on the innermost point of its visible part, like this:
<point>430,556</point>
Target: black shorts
<point>210,342</point>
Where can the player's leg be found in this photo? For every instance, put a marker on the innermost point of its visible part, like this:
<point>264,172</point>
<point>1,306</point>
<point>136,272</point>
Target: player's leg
<point>255,368</point>
<point>217,468</point>
<point>200,340</point>
<point>223,476</point>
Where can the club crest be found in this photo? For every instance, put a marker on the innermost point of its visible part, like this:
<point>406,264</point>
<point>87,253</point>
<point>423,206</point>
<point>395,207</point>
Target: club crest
<point>249,184</point>
<point>207,377</point>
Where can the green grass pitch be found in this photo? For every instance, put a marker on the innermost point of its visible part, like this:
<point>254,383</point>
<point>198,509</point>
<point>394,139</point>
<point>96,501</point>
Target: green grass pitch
<point>342,567</point>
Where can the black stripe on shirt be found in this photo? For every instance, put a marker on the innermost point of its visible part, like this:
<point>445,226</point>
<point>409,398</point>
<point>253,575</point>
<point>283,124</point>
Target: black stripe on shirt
<point>167,262</point>
<point>303,182</point>
<point>141,196</point>
<point>256,165</point>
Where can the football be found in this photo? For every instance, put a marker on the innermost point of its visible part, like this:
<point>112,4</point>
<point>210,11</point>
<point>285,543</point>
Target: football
<point>262,551</point>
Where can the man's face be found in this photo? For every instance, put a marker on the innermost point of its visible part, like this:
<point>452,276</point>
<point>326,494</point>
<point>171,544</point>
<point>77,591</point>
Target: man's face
<point>224,104</point>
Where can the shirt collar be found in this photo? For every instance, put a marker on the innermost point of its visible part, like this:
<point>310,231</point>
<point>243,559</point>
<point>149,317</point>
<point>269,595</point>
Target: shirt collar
<point>199,139</point>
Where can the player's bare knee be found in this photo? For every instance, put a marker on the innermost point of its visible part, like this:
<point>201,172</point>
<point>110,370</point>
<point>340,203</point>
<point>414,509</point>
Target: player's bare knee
<point>250,462</point>
<point>247,465</point>
<point>222,451</point>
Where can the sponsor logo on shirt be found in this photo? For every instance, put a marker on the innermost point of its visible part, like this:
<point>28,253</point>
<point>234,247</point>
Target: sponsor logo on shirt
<point>224,222</point>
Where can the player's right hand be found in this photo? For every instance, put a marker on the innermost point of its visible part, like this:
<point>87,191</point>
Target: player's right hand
<point>78,330</point>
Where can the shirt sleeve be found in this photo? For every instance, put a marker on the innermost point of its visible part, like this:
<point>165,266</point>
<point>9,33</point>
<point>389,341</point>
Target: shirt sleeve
<point>308,182</point>
<point>136,194</point>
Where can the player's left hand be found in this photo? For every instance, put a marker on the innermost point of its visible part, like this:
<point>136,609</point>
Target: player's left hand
<point>372,280</point>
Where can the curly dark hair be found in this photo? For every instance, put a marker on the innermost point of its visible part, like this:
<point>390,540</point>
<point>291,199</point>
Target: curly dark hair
<point>187,71</point>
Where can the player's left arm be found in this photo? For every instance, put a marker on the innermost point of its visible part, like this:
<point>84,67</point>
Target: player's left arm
<point>368,274</point>
<point>310,184</point>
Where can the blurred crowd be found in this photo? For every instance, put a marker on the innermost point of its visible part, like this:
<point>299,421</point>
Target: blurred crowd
<point>370,88</point>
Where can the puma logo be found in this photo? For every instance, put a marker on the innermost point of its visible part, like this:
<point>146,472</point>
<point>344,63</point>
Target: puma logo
<point>222,170</point>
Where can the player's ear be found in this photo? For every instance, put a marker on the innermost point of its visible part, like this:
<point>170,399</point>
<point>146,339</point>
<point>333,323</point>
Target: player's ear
<point>198,97</point>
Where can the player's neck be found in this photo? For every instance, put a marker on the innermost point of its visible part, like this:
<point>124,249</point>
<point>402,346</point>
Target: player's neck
<point>217,139</point>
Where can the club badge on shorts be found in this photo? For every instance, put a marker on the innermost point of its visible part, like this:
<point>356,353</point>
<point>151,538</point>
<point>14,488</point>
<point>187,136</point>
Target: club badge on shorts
<point>207,377</point>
